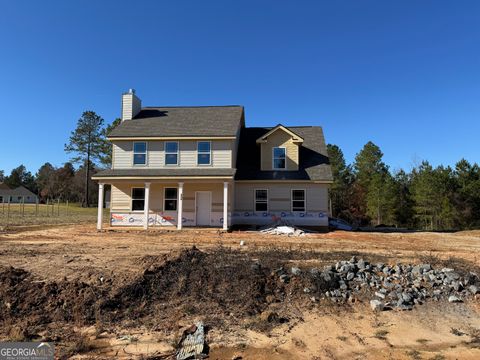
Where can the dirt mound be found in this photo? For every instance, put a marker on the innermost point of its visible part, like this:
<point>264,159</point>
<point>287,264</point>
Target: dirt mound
<point>222,282</point>
<point>26,300</point>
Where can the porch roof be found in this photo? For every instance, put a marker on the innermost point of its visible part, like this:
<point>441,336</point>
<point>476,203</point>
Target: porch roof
<point>166,173</point>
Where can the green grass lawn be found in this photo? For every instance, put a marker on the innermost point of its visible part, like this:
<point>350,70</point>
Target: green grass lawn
<point>42,214</point>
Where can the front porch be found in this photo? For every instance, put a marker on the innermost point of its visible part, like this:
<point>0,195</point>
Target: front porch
<point>156,203</point>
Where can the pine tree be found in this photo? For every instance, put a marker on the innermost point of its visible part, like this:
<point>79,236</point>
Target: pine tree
<point>21,177</point>
<point>106,158</point>
<point>87,142</point>
<point>368,166</point>
<point>342,179</point>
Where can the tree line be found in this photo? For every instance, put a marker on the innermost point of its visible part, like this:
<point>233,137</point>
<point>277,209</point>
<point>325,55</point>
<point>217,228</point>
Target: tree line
<point>428,198</point>
<point>90,151</point>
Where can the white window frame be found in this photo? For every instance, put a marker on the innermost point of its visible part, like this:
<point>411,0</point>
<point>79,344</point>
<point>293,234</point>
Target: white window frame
<point>131,199</point>
<point>261,201</point>
<point>140,153</point>
<point>203,152</point>
<point>273,157</point>
<point>165,198</point>
<point>304,200</point>
<point>170,153</point>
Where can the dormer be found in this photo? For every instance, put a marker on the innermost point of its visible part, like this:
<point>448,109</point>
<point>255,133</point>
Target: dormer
<point>279,149</point>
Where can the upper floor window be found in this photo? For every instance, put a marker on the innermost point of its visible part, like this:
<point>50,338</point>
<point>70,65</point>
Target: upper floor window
<point>279,158</point>
<point>139,153</point>
<point>204,153</point>
<point>171,153</point>
<point>138,199</point>
<point>261,200</point>
<point>298,200</point>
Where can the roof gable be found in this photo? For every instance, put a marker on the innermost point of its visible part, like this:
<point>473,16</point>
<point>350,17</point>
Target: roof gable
<point>295,137</point>
<point>313,164</point>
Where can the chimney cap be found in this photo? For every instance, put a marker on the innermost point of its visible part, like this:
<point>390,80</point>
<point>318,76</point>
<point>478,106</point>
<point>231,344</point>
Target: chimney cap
<point>131,91</point>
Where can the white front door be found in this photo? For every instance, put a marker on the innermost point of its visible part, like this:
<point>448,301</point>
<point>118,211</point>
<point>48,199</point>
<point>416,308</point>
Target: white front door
<point>203,201</point>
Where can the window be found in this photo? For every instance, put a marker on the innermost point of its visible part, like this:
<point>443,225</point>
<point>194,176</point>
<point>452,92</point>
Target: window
<point>203,152</point>
<point>170,199</point>
<point>139,153</point>
<point>298,200</point>
<point>279,158</point>
<point>171,153</point>
<point>261,200</point>
<point>138,199</point>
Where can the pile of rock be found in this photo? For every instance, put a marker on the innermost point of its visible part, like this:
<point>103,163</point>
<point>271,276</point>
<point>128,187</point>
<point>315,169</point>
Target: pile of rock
<point>400,286</point>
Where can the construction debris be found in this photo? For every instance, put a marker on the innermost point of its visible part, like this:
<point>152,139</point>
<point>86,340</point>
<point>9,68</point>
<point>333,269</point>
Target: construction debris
<point>192,343</point>
<point>283,230</point>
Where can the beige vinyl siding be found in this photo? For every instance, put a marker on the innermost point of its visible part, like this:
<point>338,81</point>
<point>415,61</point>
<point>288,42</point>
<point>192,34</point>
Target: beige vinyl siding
<point>279,139</point>
<point>279,196</point>
<point>121,195</point>
<point>123,154</point>
<point>221,155</point>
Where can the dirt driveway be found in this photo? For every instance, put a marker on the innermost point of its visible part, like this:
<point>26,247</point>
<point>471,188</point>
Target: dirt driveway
<point>430,331</point>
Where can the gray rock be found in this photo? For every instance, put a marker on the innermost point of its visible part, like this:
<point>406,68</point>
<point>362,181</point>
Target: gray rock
<point>454,299</point>
<point>457,285</point>
<point>327,276</point>
<point>452,276</point>
<point>474,289</point>
<point>407,298</point>
<point>377,305</point>
<point>296,271</point>
<point>380,295</point>
<point>361,264</point>
<point>350,276</point>
<point>284,278</point>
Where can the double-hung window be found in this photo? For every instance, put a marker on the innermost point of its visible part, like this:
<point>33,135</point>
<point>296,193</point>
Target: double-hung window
<point>171,152</point>
<point>279,158</point>
<point>204,153</point>
<point>298,200</point>
<point>138,199</point>
<point>140,153</point>
<point>170,199</point>
<point>261,200</point>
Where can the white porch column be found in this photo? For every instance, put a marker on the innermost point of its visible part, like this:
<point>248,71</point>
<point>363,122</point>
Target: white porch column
<point>100,206</point>
<point>225,205</point>
<point>180,206</point>
<point>146,208</point>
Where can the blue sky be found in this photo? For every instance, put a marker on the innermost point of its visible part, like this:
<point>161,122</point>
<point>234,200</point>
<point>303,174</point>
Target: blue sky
<point>403,74</point>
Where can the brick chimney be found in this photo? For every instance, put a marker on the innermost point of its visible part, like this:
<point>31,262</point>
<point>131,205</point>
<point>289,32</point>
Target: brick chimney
<point>131,105</point>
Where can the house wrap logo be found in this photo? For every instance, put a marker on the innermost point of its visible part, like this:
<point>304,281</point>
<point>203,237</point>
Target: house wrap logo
<point>26,351</point>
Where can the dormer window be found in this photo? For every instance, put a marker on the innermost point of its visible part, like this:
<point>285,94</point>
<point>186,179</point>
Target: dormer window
<point>139,153</point>
<point>279,158</point>
<point>203,153</point>
<point>171,153</point>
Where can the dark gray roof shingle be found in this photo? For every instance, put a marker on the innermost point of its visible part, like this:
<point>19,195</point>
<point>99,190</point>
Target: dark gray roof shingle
<point>314,163</point>
<point>177,172</point>
<point>212,121</point>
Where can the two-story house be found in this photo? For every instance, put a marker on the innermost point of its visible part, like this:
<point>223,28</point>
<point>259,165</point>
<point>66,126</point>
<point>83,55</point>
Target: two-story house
<point>201,166</point>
